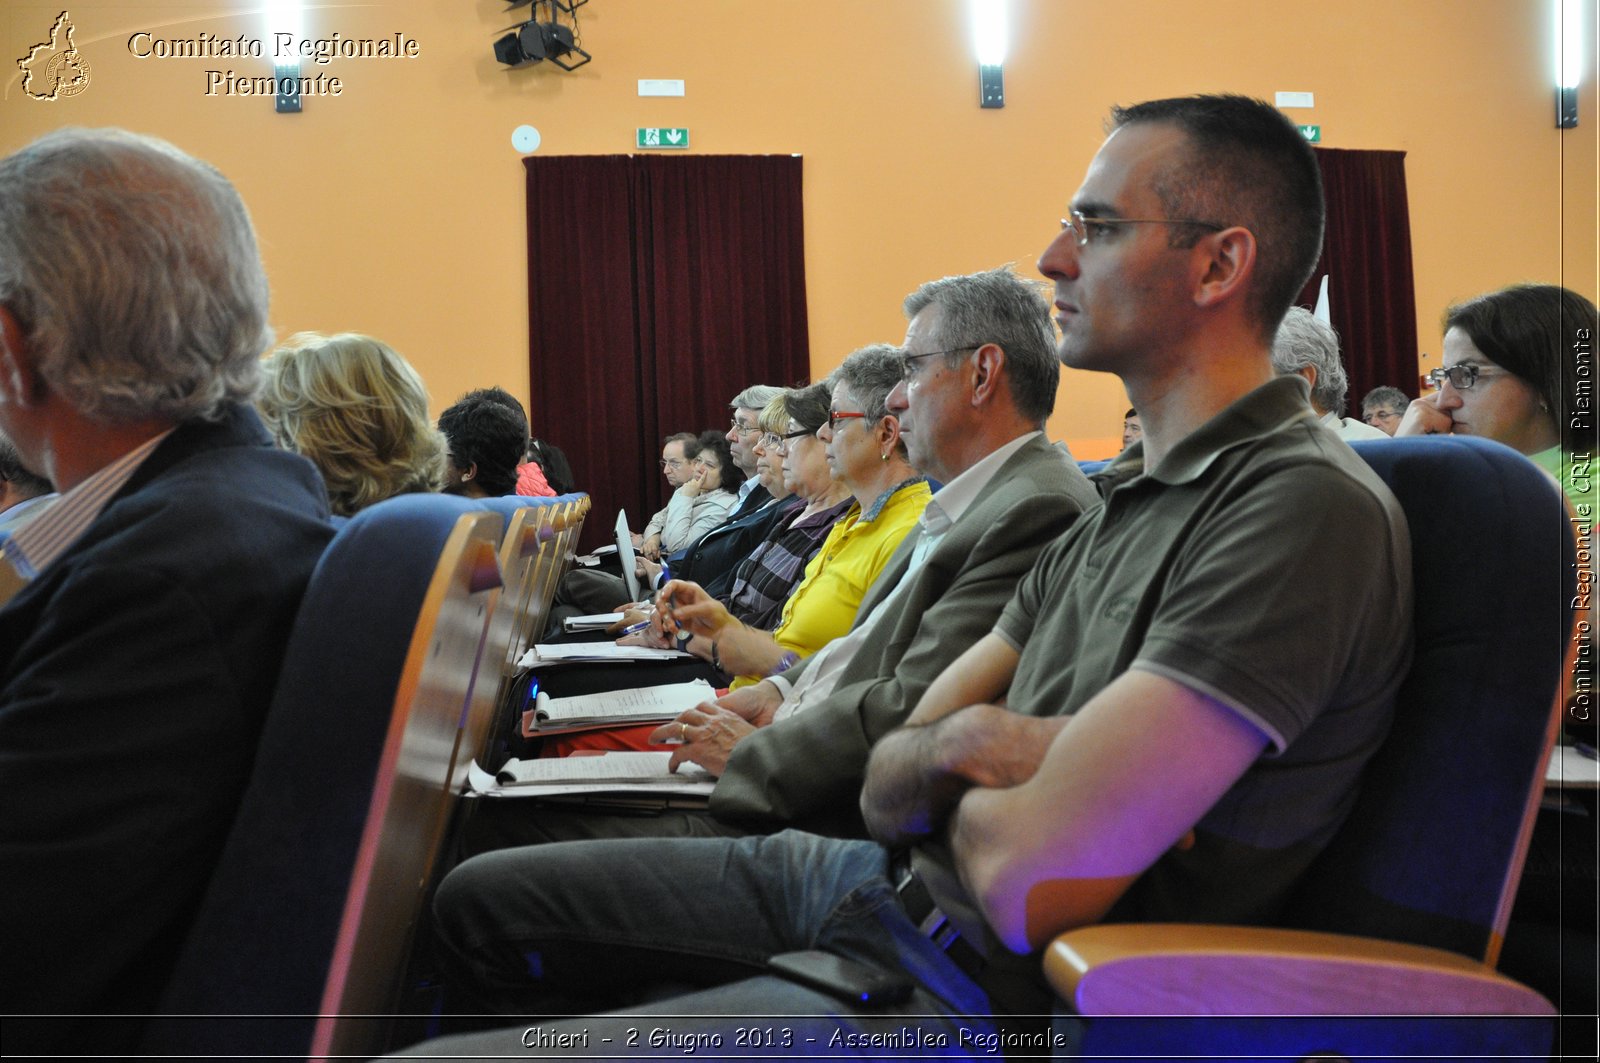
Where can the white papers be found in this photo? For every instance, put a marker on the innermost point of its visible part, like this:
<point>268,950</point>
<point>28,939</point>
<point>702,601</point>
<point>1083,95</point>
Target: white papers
<point>592,622</point>
<point>660,702</point>
<point>613,708</point>
<point>638,773</point>
<point>554,653</point>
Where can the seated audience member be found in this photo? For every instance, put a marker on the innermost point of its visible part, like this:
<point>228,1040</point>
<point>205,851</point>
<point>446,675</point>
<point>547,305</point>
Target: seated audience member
<point>139,655</point>
<point>865,453</point>
<point>1512,373</point>
<point>705,498</point>
<point>1383,407</point>
<point>1181,736</point>
<point>790,459</point>
<point>712,559</point>
<point>1307,346</point>
<point>762,584</point>
<point>675,466</point>
<point>485,433</point>
<point>979,381</point>
<point>531,482</point>
<point>1132,429</point>
<point>553,465</point>
<point>358,410</point>
<point>23,494</point>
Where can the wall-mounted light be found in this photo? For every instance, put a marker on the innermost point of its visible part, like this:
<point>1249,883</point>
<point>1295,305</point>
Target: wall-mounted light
<point>1568,15</point>
<point>284,16</point>
<point>989,33</point>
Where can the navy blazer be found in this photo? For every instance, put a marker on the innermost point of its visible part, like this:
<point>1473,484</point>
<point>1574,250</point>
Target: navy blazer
<point>134,675</point>
<point>712,560</point>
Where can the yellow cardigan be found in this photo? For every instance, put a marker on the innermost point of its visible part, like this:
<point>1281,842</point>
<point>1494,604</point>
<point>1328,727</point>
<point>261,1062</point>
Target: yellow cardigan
<point>824,605</point>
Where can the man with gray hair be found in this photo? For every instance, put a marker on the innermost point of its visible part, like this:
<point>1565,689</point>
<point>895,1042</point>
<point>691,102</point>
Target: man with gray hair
<point>1383,407</point>
<point>140,653</point>
<point>977,382</point>
<point>1307,346</point>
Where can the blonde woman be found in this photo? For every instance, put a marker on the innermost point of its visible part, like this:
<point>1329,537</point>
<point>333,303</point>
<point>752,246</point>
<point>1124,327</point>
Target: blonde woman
<point>358,411</point>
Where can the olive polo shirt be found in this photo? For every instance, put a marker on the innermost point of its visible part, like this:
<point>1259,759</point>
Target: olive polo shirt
<point>1261,563</point>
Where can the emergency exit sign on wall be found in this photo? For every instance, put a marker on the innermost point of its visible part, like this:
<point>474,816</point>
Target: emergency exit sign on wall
<point>1312,133</point>
<point>662,138</point>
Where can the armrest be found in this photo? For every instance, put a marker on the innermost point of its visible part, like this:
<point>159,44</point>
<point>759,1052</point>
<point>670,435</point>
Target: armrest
<point>1187,969</point>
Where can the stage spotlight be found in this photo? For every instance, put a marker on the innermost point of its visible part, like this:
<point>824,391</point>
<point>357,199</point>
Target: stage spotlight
<point>535,41</point>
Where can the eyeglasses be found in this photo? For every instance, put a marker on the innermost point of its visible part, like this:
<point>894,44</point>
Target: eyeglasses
<point>835,416</point>
<point>1461,376</point>
<point>1086,229</point>
<point>773,441</point>
<point>673,463</point>
<point>744,429</point>
<point>908,368</point>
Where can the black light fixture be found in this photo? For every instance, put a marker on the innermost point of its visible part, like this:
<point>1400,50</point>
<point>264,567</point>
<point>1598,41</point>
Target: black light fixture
<point>548,38</point>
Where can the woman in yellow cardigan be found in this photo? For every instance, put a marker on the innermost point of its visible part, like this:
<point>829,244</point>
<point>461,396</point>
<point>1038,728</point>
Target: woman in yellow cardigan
<point>862,446</point>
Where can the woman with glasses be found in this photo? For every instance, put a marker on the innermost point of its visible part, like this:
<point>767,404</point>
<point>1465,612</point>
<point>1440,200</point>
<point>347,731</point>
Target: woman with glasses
<point>1519,369</point>
<point>789,454</point>
<point>861,446</point>
<point>705,499</point>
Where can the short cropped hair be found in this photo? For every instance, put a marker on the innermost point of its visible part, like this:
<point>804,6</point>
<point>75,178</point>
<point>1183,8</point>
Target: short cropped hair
<point>1304,339</point>
<point>133,271</point>
<point>1385,397</point>
<point>997,306</point>
<point>358,410</point>
<point>754,397</point>
<point>481,429</point>
<point>679,437</point>
<point>1533,330</point>
<point>871,373</point>
<point>29,484</point>
<point>1247,165</point>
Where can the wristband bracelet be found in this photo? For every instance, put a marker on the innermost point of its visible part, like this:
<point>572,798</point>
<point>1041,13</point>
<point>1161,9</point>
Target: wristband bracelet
<point>786,662</point>
<point>716,661</point>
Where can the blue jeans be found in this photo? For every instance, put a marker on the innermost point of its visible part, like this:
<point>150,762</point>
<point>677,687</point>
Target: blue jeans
<point>558,928</point>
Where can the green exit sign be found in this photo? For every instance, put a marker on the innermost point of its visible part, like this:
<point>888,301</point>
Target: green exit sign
<point>662,138</point>
<point>1312,133</point>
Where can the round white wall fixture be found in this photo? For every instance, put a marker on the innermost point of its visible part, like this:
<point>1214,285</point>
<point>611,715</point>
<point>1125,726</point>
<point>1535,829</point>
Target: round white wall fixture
<point>525,139</point>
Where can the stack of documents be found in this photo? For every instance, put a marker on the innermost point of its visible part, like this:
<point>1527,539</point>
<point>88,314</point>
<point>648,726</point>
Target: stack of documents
<point>612,775</point>
<point>547,653</point>
<point>592,622</point>
<point>612,708</point>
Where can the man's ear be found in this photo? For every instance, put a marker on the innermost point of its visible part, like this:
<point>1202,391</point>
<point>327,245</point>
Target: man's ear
<point>1227,264</point>
<point>470,472</point>
<point>19,384</point>
<point>987,363</point>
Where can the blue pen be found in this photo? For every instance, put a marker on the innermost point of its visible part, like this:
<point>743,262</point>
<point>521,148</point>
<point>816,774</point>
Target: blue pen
<point>634,629</point>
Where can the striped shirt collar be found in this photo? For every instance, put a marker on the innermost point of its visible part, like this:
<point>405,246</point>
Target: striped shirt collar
<point>34,547</point>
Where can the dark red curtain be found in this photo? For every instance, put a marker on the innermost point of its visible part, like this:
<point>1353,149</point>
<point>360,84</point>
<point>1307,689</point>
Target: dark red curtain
<point>1367,253</point>
<point>658,288</point>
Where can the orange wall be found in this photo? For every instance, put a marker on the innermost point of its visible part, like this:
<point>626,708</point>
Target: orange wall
<point>397,208</point>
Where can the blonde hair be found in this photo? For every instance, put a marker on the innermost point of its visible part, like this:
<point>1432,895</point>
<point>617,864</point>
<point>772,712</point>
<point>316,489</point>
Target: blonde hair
<point>358,410</point>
